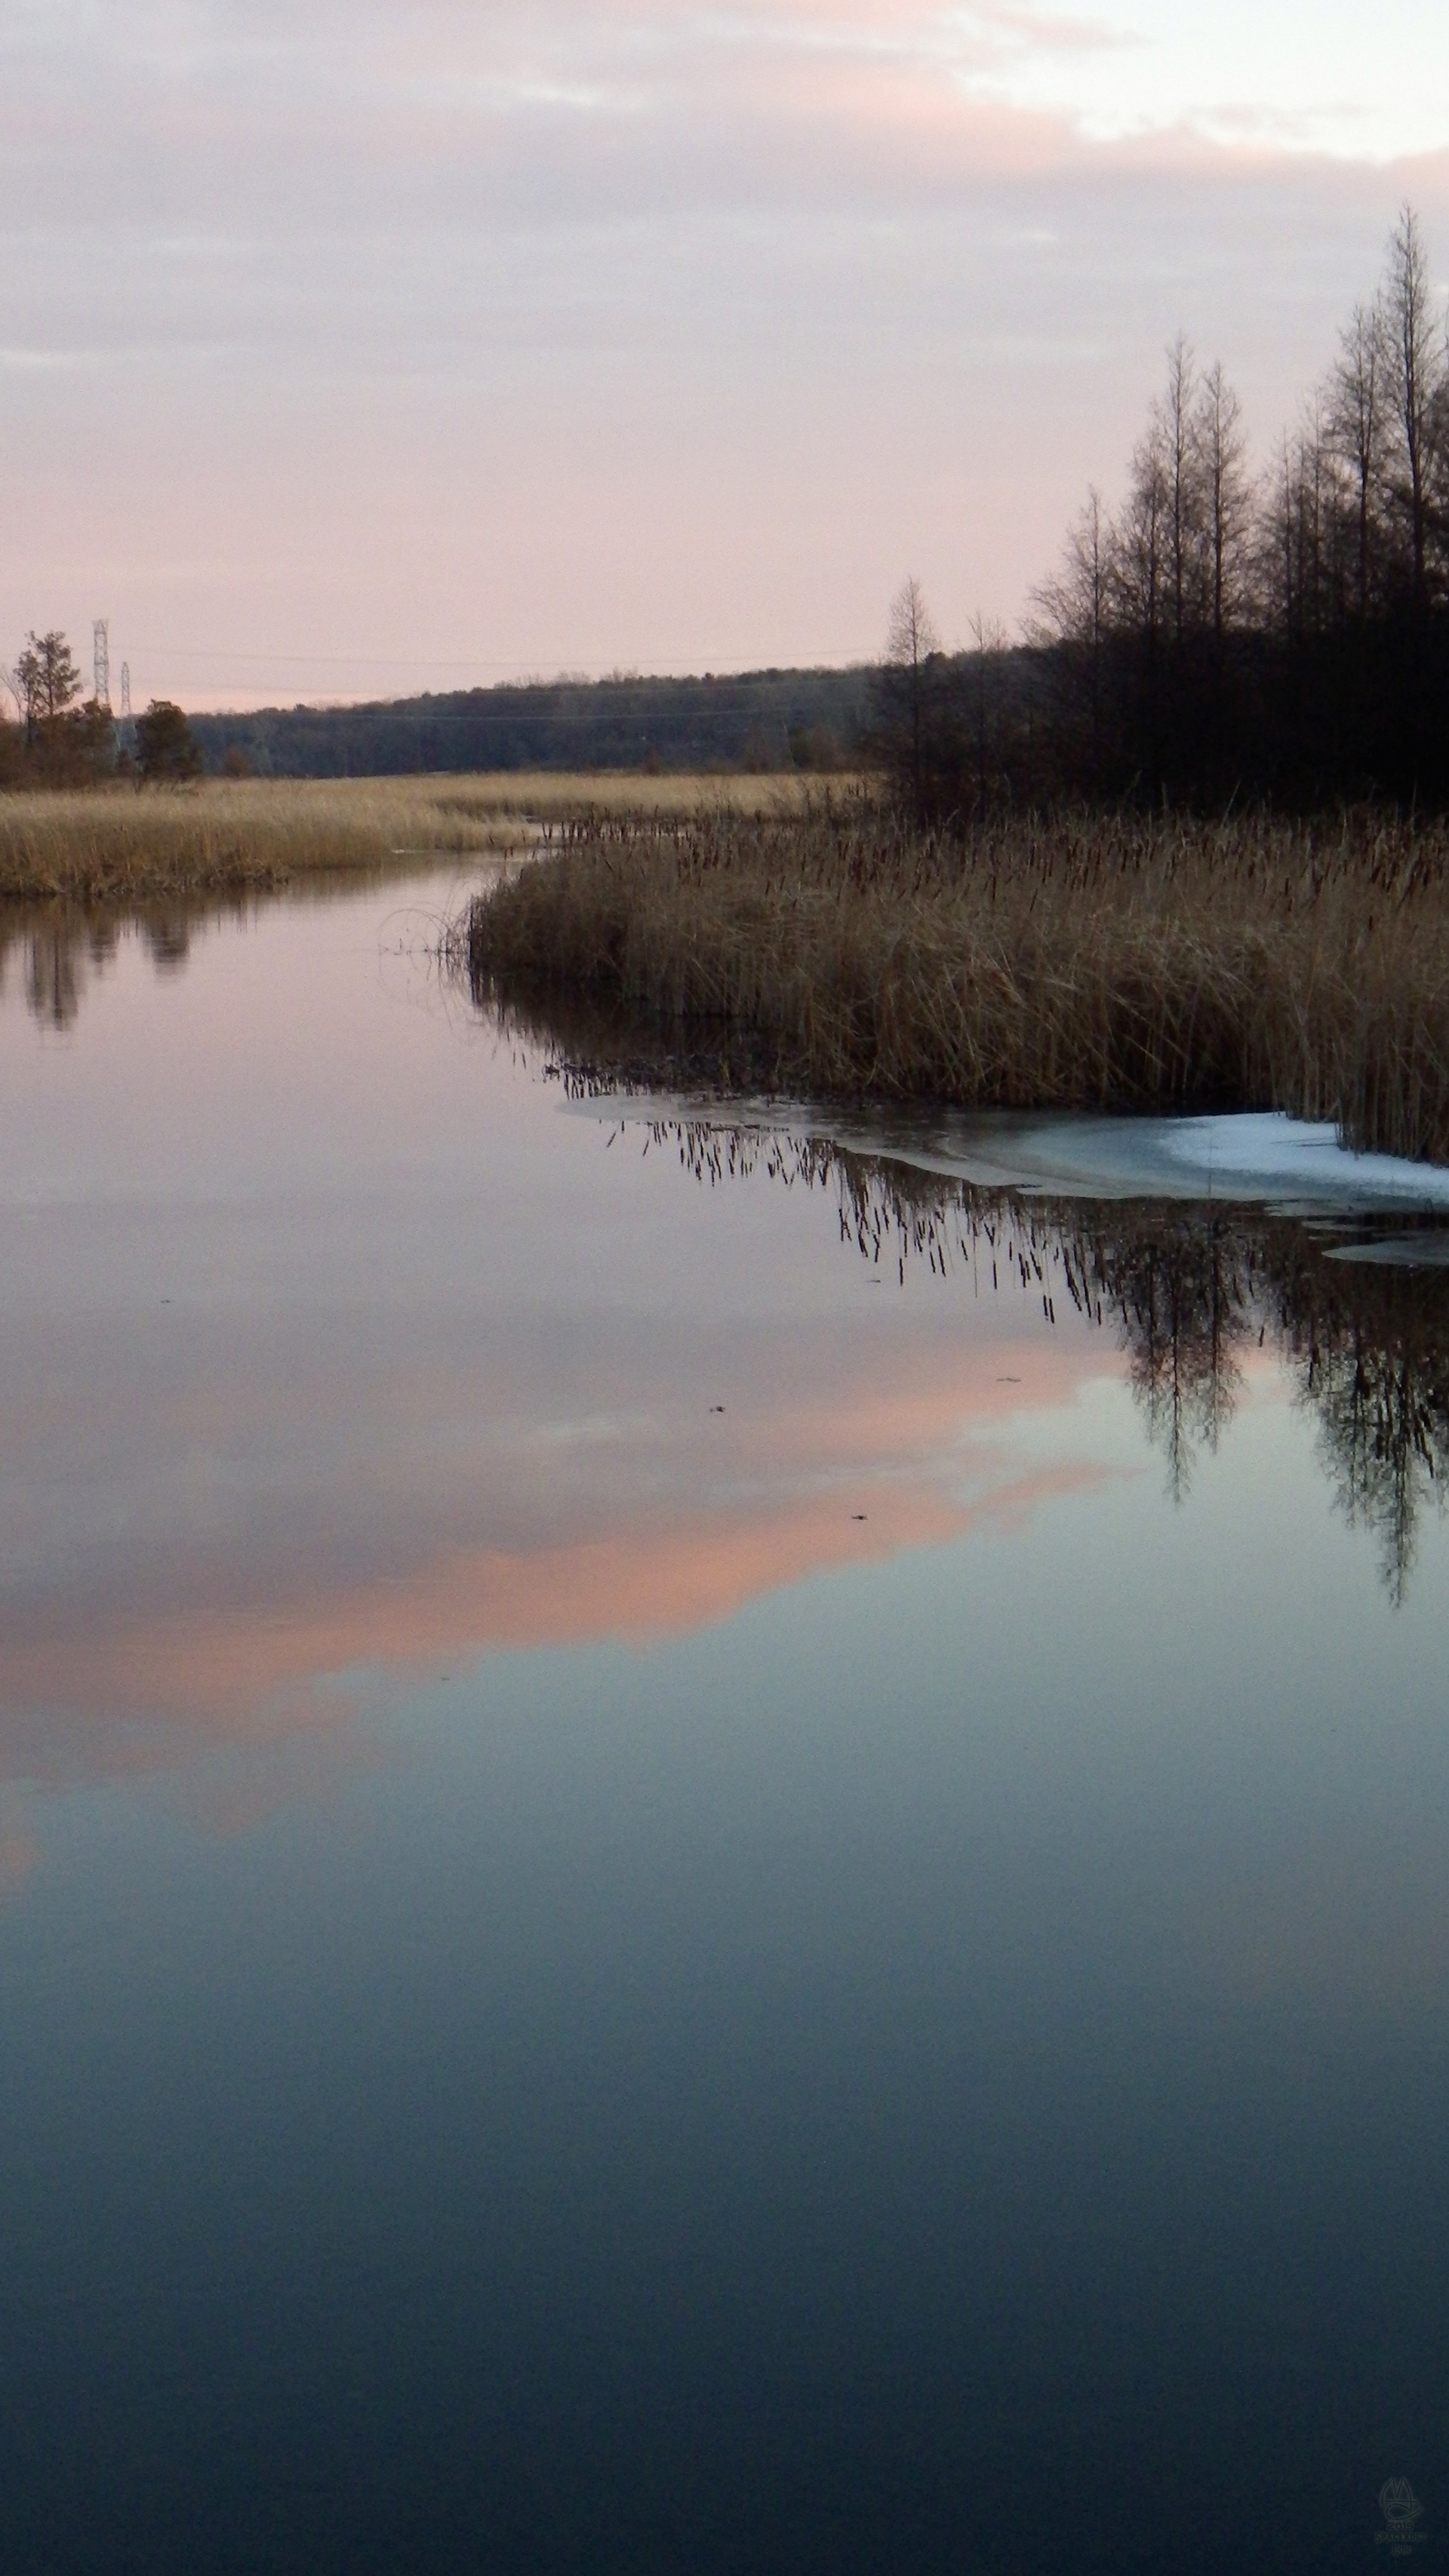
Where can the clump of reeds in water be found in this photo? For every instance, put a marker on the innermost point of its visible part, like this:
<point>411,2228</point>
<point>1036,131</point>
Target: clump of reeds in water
<point>1088,962</point>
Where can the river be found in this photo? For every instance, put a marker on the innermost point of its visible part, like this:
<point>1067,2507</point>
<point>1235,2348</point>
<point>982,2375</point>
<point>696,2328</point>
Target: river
<point>720,1848</point>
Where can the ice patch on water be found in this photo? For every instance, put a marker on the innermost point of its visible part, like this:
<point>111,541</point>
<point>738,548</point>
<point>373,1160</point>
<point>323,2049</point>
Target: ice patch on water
<point>1265,1150</point>
<point>1253,1158</point>
<point>1258,1159</point>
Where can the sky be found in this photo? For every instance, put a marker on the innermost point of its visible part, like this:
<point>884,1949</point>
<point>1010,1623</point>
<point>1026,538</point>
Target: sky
<point>374,345</point>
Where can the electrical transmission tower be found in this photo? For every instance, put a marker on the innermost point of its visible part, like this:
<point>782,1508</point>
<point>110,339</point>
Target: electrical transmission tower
<point>101,642</point>
<point>127,729</point>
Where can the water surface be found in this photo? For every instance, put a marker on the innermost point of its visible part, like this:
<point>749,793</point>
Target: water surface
<point>715,1854</point>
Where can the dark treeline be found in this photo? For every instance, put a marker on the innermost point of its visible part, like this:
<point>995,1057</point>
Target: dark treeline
<point>765,721</point>
<point>1280,637</point>
<point>761,720</point>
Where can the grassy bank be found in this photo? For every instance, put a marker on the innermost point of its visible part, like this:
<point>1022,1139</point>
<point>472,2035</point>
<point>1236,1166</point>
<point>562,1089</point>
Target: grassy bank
<point>114,845</point>
<point>1104,963</point>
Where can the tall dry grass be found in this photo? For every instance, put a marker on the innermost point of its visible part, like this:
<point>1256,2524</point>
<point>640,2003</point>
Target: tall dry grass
<point>1089,962</point>
<point>115,845</point>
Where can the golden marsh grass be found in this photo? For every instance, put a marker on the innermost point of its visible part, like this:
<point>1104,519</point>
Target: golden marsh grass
<point>1089,962</point>
<point>114,845</point>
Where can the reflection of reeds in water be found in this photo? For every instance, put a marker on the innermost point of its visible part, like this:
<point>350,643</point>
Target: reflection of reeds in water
<point>1106,962</point>
<point>1187,1291</point>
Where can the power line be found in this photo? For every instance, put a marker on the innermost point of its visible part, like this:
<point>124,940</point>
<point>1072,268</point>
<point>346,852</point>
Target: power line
<point>564,673</point>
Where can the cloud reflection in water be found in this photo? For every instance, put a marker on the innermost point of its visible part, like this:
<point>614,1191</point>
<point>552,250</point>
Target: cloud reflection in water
<point>271,1425</point>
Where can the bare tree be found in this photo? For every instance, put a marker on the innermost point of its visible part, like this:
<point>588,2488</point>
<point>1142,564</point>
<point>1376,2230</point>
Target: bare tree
<point>1140,560</point>
<point>1280,542</point>
<point>1296,543</point>
<point>1314,517</point>
<point>912,637</point>
<point>1415,383</point>
<point>1226,493</point>
<point>990,640</point>
<point>1179,462</point>
<point>1356,427</point>
<point>1348,525</point>
<point>911,643</point>
<point>1076,607</point>
<point>1076,603</point>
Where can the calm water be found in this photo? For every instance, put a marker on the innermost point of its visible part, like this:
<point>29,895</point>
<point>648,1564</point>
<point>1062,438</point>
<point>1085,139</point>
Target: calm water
<point>708,1860</point>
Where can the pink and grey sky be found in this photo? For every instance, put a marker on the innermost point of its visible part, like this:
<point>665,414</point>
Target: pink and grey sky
<point>353,349</point>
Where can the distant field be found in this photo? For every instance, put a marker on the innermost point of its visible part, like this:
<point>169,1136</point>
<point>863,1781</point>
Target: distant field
<point>114,844</point>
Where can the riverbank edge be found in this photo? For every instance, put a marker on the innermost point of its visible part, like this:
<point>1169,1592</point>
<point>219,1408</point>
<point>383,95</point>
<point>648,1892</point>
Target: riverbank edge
<point>1102,964</point>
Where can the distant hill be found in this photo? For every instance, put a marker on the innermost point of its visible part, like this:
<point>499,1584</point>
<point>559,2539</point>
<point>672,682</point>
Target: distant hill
<point>746,720</point>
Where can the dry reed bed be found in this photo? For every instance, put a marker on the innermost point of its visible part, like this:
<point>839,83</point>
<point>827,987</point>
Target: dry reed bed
<point>116,846</point>
<point>1088,963</point>
<point>113,845</point>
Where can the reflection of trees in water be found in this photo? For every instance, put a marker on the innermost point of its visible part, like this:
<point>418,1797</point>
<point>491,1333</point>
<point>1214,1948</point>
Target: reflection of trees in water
<point>1188,1290</point>
<point>168,937</point>
<point>1372,1353</point>
<point>1366,1342</point>
<point>1183,1301</point>
<point>60,949</point>
<point>53,978</point>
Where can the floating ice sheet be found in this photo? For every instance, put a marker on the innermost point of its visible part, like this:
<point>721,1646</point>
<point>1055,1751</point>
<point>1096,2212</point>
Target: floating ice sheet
<point>1258,1158</point>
